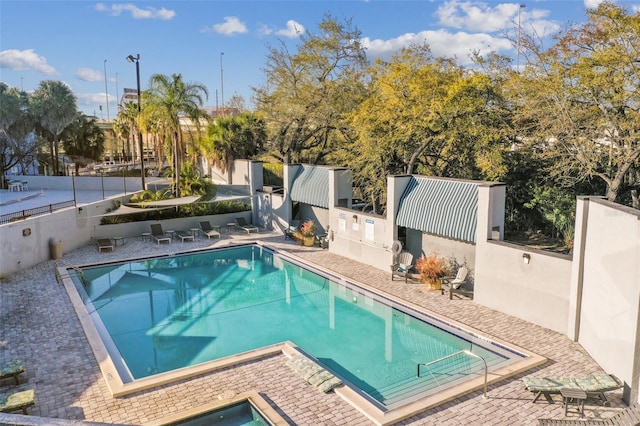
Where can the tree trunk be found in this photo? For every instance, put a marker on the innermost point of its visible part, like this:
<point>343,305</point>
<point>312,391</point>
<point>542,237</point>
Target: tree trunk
<point>53,160</point>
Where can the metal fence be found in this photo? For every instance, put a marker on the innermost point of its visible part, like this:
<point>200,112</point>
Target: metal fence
<point>37,211</point>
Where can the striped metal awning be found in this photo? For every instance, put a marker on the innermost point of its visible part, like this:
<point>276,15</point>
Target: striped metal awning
<point>441,207</point>
<point>311,186</point>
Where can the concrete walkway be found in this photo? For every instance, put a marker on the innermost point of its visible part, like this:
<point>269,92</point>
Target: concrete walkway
<point>39,326</point>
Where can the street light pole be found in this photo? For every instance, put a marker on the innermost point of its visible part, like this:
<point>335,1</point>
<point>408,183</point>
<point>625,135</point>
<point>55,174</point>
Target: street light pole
<point>522,6</point>
<point>106,88</point>
<point>221,82</point>
<point>136,59</point>
<point>117,99</point>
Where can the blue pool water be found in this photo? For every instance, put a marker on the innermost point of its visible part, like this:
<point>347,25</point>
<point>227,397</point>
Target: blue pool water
<point>170,312</point>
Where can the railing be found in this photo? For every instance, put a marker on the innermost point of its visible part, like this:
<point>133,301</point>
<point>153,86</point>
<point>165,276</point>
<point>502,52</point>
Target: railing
<point>60,262</point>
<point>37,211</point>
<point>466,352</point>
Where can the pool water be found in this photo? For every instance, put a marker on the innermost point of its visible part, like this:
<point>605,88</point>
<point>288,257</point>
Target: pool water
<point>170,312</point>
<point>241,414</point>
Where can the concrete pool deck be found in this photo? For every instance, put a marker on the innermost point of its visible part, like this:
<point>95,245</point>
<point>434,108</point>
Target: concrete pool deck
<point>39,326</point>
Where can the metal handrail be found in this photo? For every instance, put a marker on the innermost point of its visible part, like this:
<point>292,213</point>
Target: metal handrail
<point>466,352</point>
<point>62,262</point>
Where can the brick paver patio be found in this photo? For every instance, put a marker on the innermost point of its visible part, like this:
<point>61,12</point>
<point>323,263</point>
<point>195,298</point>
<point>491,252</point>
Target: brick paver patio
<point>39,326</point>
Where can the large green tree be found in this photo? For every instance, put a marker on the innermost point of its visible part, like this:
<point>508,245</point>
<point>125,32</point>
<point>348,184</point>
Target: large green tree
<point>231,138</point>
<point>579,101</point>
<point>427,115</point>
<point>307,92</point>
<point>83,138</point>
<point>18,144</point>
<point>54,106</point>
<point>167,100</point>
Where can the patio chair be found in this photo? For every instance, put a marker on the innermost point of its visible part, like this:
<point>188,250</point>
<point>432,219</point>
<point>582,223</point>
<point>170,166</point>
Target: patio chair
<point>455,282</point>
<point>158,234</point>
<point>595,385</point>
<point>244,225</point>
<point>207,229</point>
<point>184,235</point>
<point>12,369</point>
<point>104,244</point>
<point>402,265</point>
<point>17,401</point>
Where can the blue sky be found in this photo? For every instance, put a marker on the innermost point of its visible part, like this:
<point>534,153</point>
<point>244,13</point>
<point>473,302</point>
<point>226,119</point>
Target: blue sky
<point>70,40</point>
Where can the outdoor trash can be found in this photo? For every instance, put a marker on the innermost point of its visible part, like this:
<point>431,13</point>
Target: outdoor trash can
<point>55,249</point>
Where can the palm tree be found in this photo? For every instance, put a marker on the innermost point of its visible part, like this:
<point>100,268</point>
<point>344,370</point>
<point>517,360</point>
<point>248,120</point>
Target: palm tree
<point>125,124</point>
<point>168,99</point>
<point>231,138</point>
<point>54,106</point>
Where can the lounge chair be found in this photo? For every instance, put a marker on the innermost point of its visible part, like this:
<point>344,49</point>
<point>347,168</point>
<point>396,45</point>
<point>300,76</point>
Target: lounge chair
<point>456,281</point>
<point>207,229</point>
<point>402,265</point>
<point>184,235</point>
<point>12,369</point>
<point>242,224</point>
<point>595,385</point>
<point>104,244</point>
<point>158,234</point>
<point>17,401</point>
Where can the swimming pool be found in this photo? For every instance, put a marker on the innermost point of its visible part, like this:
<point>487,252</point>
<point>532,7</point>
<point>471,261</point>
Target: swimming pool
<point>165,314</point>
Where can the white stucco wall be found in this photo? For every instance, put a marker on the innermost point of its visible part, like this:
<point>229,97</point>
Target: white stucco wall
<point>25,243</point>
<point>609,322</point>
<point>361,237</point>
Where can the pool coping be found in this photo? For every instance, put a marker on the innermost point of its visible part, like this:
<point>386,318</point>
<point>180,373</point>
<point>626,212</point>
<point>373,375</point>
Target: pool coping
<point>226,399</point>
<point>381,417</point>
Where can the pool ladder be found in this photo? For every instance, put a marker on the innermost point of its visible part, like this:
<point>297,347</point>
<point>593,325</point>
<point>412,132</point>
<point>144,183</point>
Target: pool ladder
<point>466,352</point>
<point>58,263</point>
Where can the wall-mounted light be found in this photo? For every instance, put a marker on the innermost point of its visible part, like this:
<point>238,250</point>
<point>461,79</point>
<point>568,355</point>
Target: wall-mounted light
<point>526,258</point>
<point>355,218</point>
<point>79,209</point>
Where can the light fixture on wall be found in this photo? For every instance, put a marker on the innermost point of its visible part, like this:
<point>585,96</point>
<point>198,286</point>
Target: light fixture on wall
<point>526,258</point>
<point>355,218</point>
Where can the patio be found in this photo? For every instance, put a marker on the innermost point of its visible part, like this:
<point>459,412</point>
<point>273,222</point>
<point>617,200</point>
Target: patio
<point>40,328</point>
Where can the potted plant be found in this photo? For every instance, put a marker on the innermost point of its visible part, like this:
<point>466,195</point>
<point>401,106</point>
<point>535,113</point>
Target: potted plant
<point>432,268</point>
<point>306,233</point>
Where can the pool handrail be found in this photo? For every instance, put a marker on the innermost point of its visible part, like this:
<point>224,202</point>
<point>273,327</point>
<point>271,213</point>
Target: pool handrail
<point>60,262</point>
<point>466,352</point>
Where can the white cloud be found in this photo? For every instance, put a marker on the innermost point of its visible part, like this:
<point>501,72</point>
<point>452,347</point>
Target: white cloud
<point>87,74</point>
<point>293,30</point>
<point>117,9</point>
<point>232,25</point>
<point>592,4</point>
<point>479,16</point>
<point>264,30</point>
<point>20,60</point>
<point>94,100</point>
<point>442,43</point>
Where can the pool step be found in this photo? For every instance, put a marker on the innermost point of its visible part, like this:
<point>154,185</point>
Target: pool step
<point>313,373</point>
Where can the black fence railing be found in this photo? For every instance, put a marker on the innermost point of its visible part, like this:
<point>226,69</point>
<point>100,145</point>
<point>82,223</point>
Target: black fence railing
<point>36,211</point>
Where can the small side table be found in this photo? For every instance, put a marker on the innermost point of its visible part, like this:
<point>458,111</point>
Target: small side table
<point>194,232</point>
<point>145,236</point>
<point>171,233</point>
<point>576,397</point>
<point>231,226</point>
<point>118,241</point>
